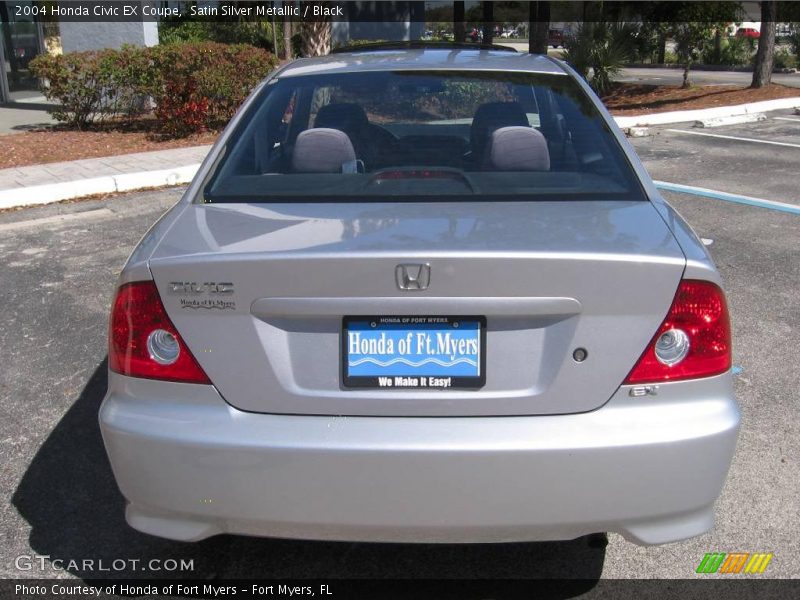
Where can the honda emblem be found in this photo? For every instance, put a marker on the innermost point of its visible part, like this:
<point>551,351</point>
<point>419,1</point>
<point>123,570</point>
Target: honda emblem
<point>413,277</point>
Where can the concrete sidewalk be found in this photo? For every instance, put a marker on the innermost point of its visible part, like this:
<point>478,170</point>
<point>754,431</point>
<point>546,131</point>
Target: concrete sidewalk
<point>23,116</point>
<point>41,184</point>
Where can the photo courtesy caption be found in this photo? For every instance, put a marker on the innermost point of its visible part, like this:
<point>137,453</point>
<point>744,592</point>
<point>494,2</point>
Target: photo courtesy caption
<point>62,589</point>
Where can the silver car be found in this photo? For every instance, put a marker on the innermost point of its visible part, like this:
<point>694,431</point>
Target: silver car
<point>421,296</point>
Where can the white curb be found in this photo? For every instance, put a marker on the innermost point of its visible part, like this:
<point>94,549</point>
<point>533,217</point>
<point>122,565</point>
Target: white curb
<point>637,131</point>
<point>55,192</point>
<point>731,120</point>
<point>701,114</point>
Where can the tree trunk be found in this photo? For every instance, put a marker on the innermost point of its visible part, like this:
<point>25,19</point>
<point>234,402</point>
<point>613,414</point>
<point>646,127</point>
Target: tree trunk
<point>662,49</point>
<point>488,22</point>
<point>459,29</point>
<point>287,33</point>
<point>316,37</point>
<point>275,45</point>
<point>538,27</point>
<point>718,45</point>
<point>765,55</point>
<point>686,67</point>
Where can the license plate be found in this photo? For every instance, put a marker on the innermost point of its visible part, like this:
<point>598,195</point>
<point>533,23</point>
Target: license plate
<point>414,352</point>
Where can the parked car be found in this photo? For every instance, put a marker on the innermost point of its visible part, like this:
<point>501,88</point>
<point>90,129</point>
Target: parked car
<point>442,301</point>
<point>748,32</point>
<point>555,38</point>
<point>784,32</point>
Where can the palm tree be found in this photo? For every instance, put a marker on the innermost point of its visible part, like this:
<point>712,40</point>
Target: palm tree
<point>602,47</point>
<point>315,35</point>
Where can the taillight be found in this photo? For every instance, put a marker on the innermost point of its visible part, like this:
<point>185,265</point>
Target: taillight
<point>693,341</point>
<point>143,342</point>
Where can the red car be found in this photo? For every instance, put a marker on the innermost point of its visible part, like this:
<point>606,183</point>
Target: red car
<point>748,32</point>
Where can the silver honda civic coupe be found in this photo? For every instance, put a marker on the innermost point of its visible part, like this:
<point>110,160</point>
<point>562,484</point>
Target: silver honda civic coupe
<point>421,295</point>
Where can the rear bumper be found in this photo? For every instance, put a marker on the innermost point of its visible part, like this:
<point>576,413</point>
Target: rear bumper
<point>192,466</point>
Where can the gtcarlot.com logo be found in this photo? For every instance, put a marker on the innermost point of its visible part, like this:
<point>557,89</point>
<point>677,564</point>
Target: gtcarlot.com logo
<point>734,562</point>
<point>43,562</point>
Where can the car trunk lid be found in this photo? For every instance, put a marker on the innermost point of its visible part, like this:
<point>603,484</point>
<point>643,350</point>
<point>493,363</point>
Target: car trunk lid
<point>259,294</point>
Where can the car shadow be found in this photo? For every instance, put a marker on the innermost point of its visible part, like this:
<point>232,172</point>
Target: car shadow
<point>70,499</point>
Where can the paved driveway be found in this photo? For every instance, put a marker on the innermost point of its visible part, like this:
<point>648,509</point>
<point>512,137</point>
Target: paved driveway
<point>755,159</point>
<point>674,76</point>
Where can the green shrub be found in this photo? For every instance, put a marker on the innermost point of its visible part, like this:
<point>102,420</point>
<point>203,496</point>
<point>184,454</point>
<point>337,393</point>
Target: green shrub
<point>602,47</point>
<point>711,53</point>
<point>794,42</point>
<point>356,42</point>
<point>194,86</point>
<point>784,59</point>
<point>90,86</point>
<point>221,74</point>
<point>578,49</point>
<point>670,58</point>
<point>181,31</point>
<point>131,71</point>
<point>733,51</point>
<point>72,80</point>
<point>737,51</point>
<point>645,42</point>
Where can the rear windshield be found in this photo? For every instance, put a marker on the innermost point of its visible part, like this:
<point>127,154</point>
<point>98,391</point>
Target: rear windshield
<point>416,136</point>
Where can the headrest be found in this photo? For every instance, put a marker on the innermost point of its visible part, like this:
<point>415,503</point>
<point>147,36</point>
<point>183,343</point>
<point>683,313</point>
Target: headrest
<point>341,116</point>
<point>491,116</point>
<point>322,150</point>
<point>517,149</point>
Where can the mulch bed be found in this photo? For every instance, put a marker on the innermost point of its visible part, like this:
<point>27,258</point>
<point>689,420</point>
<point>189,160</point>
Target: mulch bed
<point>48,145</point>
<point>639,99</point>
<point>58,144</point>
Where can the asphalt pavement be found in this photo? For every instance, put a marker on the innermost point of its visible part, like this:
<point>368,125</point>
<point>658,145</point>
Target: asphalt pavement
<point>754,159</point>
<point>674,76</point>
<point>58,266</point>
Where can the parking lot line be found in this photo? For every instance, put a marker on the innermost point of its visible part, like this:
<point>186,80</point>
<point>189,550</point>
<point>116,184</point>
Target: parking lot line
<point>717,195</point>
<point>795,119</point>
<point>63,218</point>
<point>733,137</point>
